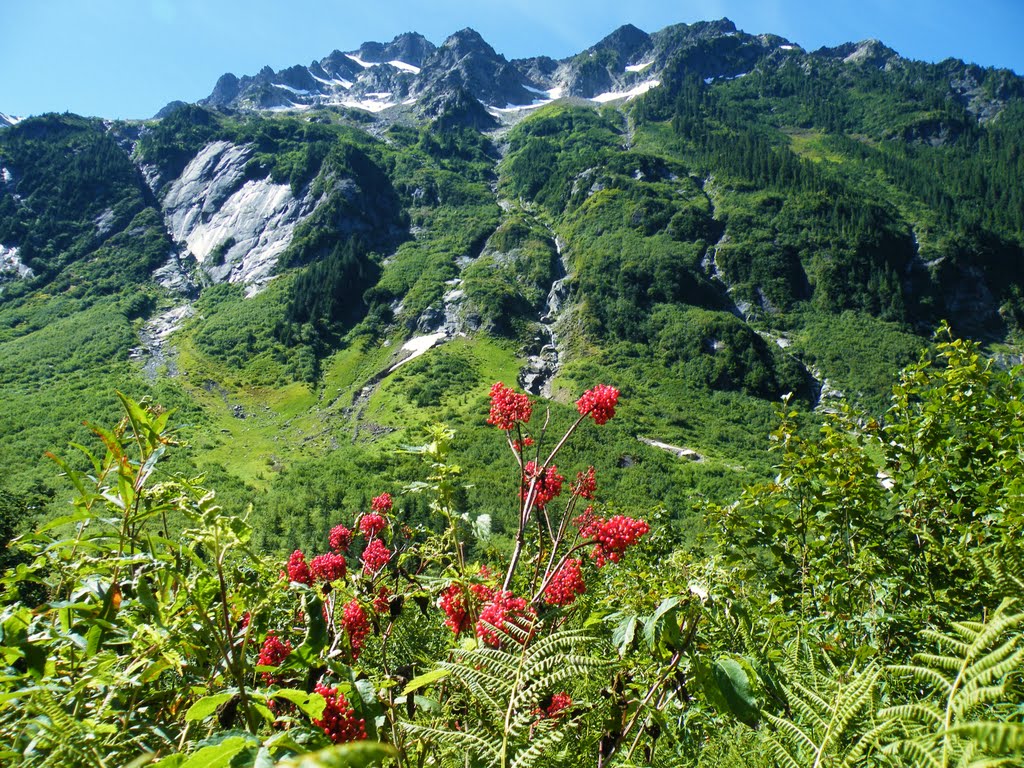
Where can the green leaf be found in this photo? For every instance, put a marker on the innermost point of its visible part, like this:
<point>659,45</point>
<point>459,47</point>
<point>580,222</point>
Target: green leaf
<point>218,755</point>
<point>312,704</point>
<point>207,705</point>
<point>356,754</point>
<point>734,683</point>
<point>424,680</point>
<point>92,640</point>
<point>624,633</point>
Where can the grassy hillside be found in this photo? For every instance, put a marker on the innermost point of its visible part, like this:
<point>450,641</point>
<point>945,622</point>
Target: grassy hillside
<point>718,244</point>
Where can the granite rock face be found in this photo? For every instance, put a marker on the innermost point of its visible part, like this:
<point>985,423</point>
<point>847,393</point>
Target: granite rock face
<point>234,227</point>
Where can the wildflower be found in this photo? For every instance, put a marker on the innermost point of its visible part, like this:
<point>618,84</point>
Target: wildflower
<point>508,407</point>
<point>372,524</point>
<point>339,722</point>
<point>507,613</point>
<point>328,567</point>
<point>375,557</point>
<point>297,568</point>
<point>341,538</point>
<point>548,486</point>
<point>599,402</point>
<point>353,619</point>
<point>566,585</point>
<point>382,503</point>
<point>586,484</point>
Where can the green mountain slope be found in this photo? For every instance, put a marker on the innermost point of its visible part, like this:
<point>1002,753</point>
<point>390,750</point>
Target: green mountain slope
<point>314,288</point>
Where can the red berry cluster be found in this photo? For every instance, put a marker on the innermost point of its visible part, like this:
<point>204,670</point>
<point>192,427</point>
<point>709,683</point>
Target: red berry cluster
<point>372,524</point>
<point>452,603</point>
<point>375,557</point>
<point>354,620</point>
<point>519,445</point>
<point>549,484</point>
<point>382,602</point>
<point>272,654</point>
<point>508,407</point>
<point>612,537</point>
<point>566,585</point>
<point>586,484</point>
<point>339,722</point>
<point>588,523</point>
<point>504,610</point>
<point>328,567</point>
<point>382,503</point>
<point>341,538</point>
<point>599,402</point>
<point>559,702</point>
<point>297,568</point>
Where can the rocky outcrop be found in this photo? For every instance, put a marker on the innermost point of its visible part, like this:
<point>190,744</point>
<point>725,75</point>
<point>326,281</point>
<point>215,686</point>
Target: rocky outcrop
<point>235,227</point>
<point>12,267</point>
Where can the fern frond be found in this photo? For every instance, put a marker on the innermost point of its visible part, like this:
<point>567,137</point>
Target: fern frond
<point>946,663</point>
<point>466,740</point>
<point>539,747</point>
<point>993,736</point>
<point>793,731</point>
<point>920,712</point>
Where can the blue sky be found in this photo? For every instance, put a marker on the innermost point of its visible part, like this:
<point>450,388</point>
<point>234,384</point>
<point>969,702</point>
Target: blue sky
<point>127,58</point>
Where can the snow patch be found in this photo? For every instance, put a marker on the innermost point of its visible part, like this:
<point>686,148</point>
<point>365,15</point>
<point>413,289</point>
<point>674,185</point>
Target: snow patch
<point>296,91</point>
<point>346,84</point>
<point>550,95</point>
<point>417,345</point>
<point>679,451</point>
<point>404,67</point>
<point>375,102</point>
<point>639,67</point>
<point>787,47</point>
<point>10,119</point>
<point>642,88</point>
<point>360,62</point>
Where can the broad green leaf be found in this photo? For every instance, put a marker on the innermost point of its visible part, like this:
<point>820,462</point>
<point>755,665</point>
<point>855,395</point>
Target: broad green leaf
<point>424,680</point>
<point>624,633</point>
<point>207,705</point>
<point>734,683</point>
<point>356,754</point>
<point>218,755</point>
<point>312,704</point>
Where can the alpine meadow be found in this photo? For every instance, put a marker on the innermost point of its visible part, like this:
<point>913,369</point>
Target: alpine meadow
<point>655,406</point>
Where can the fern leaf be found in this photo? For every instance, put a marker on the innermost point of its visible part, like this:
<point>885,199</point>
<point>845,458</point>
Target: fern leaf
<point>467,740</point>
<point>793,731</point>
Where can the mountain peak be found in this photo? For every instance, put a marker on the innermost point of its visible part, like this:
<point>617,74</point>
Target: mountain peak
<point>409,47</point>
<point>627,41</point>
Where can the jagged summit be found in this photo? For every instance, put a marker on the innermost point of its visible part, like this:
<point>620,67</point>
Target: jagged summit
<point>412,76</point>
<point>411,71</point>
<point>870,52</point>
